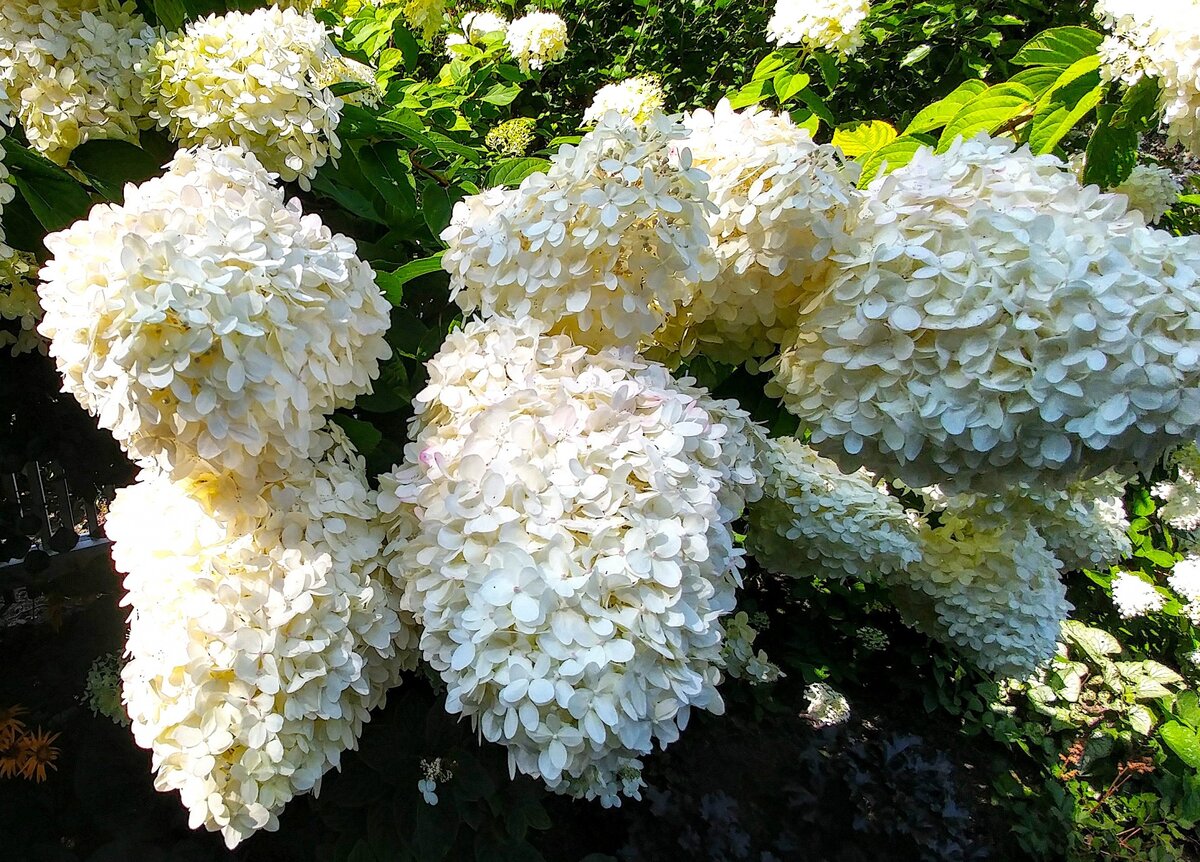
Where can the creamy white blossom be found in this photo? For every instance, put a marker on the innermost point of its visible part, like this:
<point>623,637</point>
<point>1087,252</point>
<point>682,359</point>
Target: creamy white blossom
<point>561,527</point>
<point>1151,189</point>
<point>254,79</point>
<point>1181,498</point>
<point>425,16</point>
<point>780,208</point>
<point>1185,578</point>
<point>637,98</point>
<point>815,519</point>
<point>999,324</point>
<point>1159,39</point>
<point>19,304</point>
<point>740,659</point>
<point>476,25</point>
<point>67,67</point>
<point>828,25</point>
<point>536,39</point>
<point>601,247</point>
<point>826,705</point>
<point>1134,597</point>
<point>206,318</point>
<point>994,592</point>
<point>260,637</point>
<point>1083,525</point>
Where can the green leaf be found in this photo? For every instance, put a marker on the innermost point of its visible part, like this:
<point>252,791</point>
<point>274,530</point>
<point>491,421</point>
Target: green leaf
<point>109,165</point>
<point>392,283</point>
<point>435,206</point>
<point>363,435</point>
<point>894,155</point>
<point>1139,106</point>
<point>55,197</point>
<point>1097,643</point>
<point>1060,46</point>
<point>1111,152</point>
<point>511,172</point>
<point>1038,79</point>
<point>1183,741</point>
<point>1140,719</point>
<point>751,94</point>
<point>941,112</point>
<point>386,166</point>
<point>170,13</point>
<point>407,43</point>
<point>1187,707</point>
<point>1148,679</point>
<point>830,70</point>
<point>1063,110</point>
<point>787,84</point>
<point>814,103</point>
<point>861,138</point>
<point>501,94</point>
<point>916,55</point>
<point>769,65</point>
<point>987,112</point>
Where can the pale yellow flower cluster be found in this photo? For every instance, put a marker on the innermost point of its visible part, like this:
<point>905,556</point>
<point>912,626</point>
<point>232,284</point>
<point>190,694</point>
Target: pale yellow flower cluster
<point>69,69</point>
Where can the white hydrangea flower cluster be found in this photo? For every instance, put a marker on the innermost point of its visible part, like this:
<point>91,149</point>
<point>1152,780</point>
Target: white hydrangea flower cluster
<point>1083,525</point>
<point>19,303</point>
<point>1151,189</point>
<point>205,318</point>
<point>826,705</point>
<point>815,519</point>
<point>1000,323</point>
<point>68,68</point>
<point>637,98</point>
<point>819,25</point>
<point>601,247</point>
<point>258,641</point>
<point>781,205</point>
<point>477,25</point>
<point>994,592</point>
<point>741,661</point>
<point>474,28</point>
<point>1159,39</point>
<point>1181,498</point>
<point>562,529</point>
<point>1135,597</point>
<point>1185,580</point>
<point>536,39</point>
<point>254,80</point>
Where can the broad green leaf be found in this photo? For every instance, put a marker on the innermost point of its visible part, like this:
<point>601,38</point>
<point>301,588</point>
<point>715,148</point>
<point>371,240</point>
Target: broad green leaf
<point>787,84</point>
<point>1038,79</point>
<point>1148,679</point>
<point>1062,111</point>
<point>1077,70</point>
<point>501,94</point>
<point>1139,106</point>
<point>1183,741</point>
<point>1140,719</point>
<point>815,104</point>
<point>1060,46</point>
<point>830,70</point>
<point>392,283</point>
<point>363,435</point>
<point>386,167</point>
<point>893,155</point>
<point>941,112</point>
<point>1111,152</point>
<point>54,196</point>
<point>170,13</point>
<point>987,112</point>
<point>436,206</point>
<point>769,65</point>
<point>863,137</point>
<point>511,172</point>
<point>916,55</point>
<point>109,165</point>
<point>751,94</point>
<point>1097,643</point>
<point>1187,707</point>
